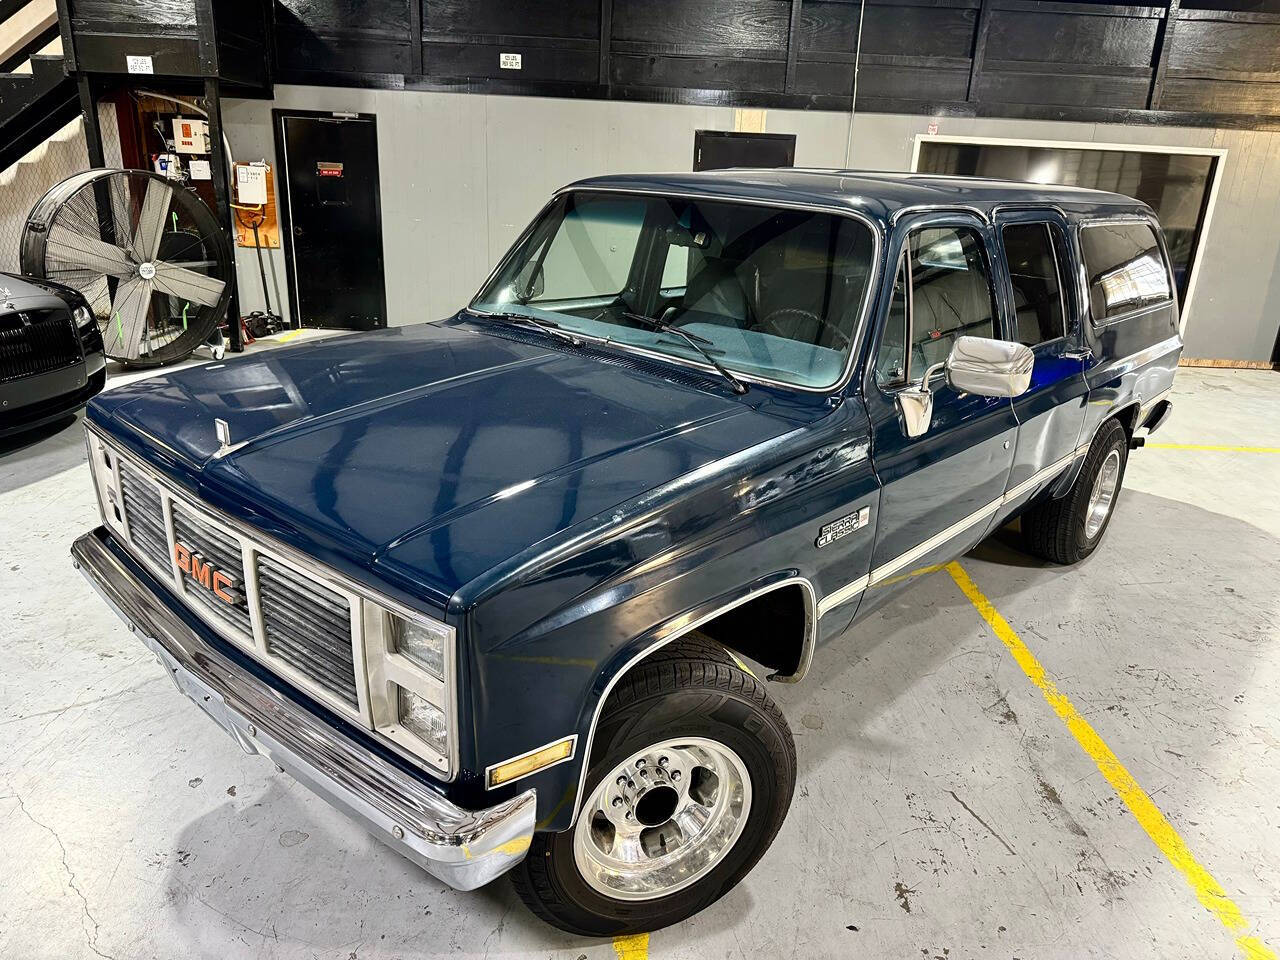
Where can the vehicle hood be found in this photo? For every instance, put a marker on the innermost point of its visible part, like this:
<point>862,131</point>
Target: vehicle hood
<point>429,454</point>
<point>25,293</point>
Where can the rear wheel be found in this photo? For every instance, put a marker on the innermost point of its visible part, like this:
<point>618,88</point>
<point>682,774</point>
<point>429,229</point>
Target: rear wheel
<point>1068,529</point>
<point>691,775</point>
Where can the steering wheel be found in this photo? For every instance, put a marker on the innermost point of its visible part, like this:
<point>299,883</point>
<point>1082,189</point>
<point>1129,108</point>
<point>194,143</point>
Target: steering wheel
<point>776,323</point>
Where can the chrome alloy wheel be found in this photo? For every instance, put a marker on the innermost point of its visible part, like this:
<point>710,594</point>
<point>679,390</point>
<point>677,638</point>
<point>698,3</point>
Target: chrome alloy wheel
<point>662,819</point>
<point>1103,494</point>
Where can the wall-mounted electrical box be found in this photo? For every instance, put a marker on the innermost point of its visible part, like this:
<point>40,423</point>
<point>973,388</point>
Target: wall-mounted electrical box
<point>251,183</point>
<point>190,136</point>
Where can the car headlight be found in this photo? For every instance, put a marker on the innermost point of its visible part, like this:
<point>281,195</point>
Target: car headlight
<point>83,316</point>
<point>410,663</point>
<point>423,643</point>
<point>424,720</point>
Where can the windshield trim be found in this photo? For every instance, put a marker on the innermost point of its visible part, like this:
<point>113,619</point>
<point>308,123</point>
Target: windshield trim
<point>859,331</point>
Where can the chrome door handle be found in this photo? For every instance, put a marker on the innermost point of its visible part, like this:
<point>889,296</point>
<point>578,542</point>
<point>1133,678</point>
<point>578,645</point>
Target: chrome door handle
<point>1078,354</point>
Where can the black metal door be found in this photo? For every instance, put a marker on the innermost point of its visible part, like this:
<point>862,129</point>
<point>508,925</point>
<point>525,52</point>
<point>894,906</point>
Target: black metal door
<point>332,220</point>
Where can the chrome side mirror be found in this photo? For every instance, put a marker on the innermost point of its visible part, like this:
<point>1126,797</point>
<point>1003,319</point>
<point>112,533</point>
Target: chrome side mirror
<point>990,368</point>
<point>977,365</point>
<point>915,403</point>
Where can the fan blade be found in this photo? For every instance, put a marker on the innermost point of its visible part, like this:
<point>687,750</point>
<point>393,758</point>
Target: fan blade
<point>128,321</point>
<point>155,206</point>
<point>188,284</point>
<point>90,253</point>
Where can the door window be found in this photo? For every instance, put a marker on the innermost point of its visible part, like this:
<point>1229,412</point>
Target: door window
<point>1036,281</point>
<point>942,292</point>
<point>1125,267</point>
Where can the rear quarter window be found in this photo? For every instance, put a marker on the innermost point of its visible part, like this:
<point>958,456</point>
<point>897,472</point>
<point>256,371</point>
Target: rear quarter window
<point>1125,268</point>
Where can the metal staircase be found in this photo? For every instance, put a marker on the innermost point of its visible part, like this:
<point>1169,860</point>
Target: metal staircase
<point>37,98</point>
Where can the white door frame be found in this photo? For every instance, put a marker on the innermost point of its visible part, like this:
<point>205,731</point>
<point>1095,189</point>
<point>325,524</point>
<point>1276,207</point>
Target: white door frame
<point>1215,179</point>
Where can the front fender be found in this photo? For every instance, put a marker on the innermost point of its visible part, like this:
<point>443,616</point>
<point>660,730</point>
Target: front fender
<point>548,643</point>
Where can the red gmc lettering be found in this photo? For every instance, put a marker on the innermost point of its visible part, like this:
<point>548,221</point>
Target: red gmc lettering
<point>220,582</point>
<point>201,572</point>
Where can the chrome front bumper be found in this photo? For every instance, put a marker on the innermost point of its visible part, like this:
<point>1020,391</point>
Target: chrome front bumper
<point>464,848</point>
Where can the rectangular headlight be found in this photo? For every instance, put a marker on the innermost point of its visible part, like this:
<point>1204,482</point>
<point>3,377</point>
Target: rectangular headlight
<point>423,643</point>
<point>410,660</point>
<point>424,720</point>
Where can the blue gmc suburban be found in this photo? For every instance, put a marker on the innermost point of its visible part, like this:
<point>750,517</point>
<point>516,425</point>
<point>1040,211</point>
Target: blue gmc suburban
<point>489,584</point>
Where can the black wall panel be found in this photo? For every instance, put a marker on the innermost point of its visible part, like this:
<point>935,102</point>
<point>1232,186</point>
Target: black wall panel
<point>1168,61</point>
<point>367,18</point>
<point>462,19</point>
<point>539,63</point>
<point>319,37</point>
<point>1070,38</point>
<point>753,27</point>
<point>130,16</point>
<point>1210,48</point>
<point>932,30</point>
<point>701,73</point>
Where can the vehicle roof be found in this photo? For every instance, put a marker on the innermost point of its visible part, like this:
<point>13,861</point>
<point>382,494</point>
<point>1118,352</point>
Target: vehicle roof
<point>876,193</point>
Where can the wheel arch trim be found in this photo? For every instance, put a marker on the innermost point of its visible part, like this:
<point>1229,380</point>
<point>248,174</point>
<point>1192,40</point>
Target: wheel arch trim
<point>673,630</point>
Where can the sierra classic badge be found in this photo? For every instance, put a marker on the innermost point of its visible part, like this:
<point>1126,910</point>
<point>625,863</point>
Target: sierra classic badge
<point>222,585</point>
<point>843,527</point>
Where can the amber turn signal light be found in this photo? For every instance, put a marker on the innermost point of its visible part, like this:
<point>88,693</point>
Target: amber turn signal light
<point>530,762</point>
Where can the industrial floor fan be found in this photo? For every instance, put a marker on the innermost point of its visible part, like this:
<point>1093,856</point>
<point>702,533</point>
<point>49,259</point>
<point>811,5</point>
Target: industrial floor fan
<point>147,254</point>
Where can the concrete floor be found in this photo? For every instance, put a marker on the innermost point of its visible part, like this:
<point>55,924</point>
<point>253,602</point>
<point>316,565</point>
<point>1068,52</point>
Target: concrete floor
<point>943,809</point>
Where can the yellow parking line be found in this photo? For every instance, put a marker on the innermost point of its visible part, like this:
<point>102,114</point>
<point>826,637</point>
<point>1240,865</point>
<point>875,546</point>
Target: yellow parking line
<point>1207,890</point>
<point>1211,446</point>
<point>634,947</point>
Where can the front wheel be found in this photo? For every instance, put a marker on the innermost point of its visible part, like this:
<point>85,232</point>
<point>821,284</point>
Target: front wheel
<point>691,775</point>
<point>1068,529</point>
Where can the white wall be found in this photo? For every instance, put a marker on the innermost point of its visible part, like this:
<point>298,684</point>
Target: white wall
<point>462,174</point>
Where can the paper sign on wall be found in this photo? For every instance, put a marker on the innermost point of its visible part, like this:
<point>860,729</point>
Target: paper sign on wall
<point>509,61</point>
<point>200,170</point>
<point>251,183</point>
<point>139,65</point>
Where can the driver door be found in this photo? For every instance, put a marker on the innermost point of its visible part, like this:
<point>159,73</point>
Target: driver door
<point>941,489</point>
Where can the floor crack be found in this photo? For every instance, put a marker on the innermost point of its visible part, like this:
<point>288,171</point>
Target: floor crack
<point>969,810</point>
<point>90,938</point>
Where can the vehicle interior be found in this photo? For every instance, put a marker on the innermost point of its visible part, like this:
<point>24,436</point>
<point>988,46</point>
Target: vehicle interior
<point>766,291</point>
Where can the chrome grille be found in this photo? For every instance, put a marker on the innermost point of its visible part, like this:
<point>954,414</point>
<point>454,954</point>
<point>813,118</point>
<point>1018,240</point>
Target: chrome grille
<point>286,618</point>
<point>326,635</point>
<point>144,515</point>
<point>308,627</point>
<point>220,551</point>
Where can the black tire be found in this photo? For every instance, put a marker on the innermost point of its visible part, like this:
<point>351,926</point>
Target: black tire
<point>1055,529</point>
<point>690,688</point>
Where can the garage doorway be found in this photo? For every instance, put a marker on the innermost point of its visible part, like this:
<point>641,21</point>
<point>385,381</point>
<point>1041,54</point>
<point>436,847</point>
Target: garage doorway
<point>1178,183</point>
<point>331,219</point>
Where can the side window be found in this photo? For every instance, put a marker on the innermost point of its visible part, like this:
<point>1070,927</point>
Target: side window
<point>942,291</point>
<point>1037,285</point>
<point>590,255</point>
<point>1124,266</point>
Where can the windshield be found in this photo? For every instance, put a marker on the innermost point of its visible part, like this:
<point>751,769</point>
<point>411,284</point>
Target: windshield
<point>767,292</point>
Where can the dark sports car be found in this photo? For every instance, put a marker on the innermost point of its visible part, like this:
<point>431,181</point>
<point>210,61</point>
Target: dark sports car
<point>51,359</point>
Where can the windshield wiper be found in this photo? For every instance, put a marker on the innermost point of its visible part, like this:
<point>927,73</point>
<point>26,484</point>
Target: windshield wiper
<point>546,326</point>
<point>698,343</point>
